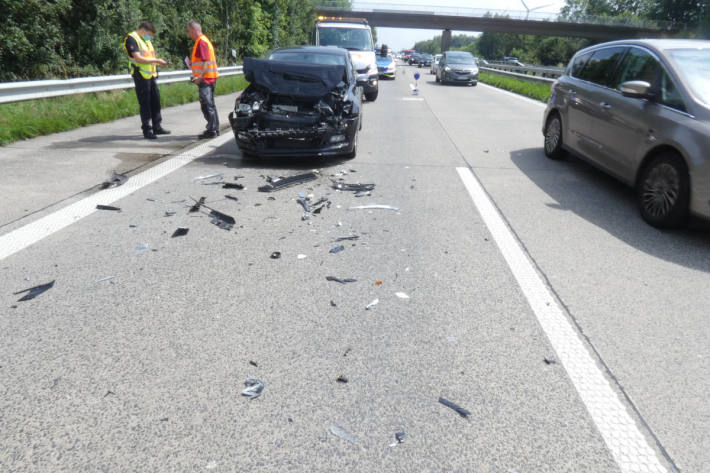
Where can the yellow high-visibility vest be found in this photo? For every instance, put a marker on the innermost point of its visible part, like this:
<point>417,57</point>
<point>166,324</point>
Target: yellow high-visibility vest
<point>198,64</point>
<point>147,51</point>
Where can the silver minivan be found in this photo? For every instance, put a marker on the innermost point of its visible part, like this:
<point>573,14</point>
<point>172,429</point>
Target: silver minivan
<point>640,111</point>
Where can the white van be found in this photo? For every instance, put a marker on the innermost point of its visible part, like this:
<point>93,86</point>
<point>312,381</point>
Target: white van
<point>353,34</point>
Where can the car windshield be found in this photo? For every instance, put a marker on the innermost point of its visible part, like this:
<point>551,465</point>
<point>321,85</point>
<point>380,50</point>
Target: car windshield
<point>349,38</point>
<point>467,60</point>
<point>311,58</point>
<point>694,66</point>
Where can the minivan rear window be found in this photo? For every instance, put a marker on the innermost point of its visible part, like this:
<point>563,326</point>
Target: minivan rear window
<point>601,67</point>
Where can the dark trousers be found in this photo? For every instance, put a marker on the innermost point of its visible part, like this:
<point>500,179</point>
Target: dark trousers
<point>209,110</point>
<point>149,102</point>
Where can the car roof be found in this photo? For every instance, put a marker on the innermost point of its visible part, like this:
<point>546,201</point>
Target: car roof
<point>314,49</point>
<point>459,53</point>
<point>658,45</point>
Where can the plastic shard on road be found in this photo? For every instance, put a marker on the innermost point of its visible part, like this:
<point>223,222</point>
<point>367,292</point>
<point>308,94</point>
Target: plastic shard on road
<point>108,207</point>
<point>115,181</point>
<point>279,183</point>
<point>223,221</point>
<point>341,281</point>
<point>33,292</point>
<point>374,206</point>
<point>254,388</point>
<point>180,231</point>
<point>337,430</point>
<point>342,186</point>
<point>459,410</point>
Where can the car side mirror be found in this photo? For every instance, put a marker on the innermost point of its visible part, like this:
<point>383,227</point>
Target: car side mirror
<point>636,89</point>
<point>362,80</point>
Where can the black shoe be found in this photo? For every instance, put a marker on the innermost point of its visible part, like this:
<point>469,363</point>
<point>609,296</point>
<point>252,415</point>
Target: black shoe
<point>150,136</point>
<point>206,135</point>
<point>161,131</point>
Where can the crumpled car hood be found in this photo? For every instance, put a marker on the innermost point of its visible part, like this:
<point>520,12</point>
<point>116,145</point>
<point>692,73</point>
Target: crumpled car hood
<point>291,78</point>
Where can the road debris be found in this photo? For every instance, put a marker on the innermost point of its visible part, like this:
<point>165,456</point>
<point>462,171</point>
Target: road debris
<point>223,221</point>
<point>459,410</point>
<point>363,194</point>
<point>549,361</point>
<point>333,304</point>
<point>276,255</point>
<point>337,249</point>
<point>374,206</point>
<point>254,388</point>
<point>342,186</point>
<point>217,177</point>
<point>341,379</point>
<point>401,295</point>
<point>338,431</point>
<point>233,185</point>
<point>347,351</point>
<point>115,181</point>
<point>278,183</point>
<point>304,204</point>
<point>253,363</point>
<point>198,204</point>
<point>378,283</point>
<point>353,237</point>
<point>108,207</point>
<point>143,247</point>
<point>301,256</point>
<point>180,231</point>
<point>341,281</point>
<point>106,278</point>
<point>399,437</point>
<point>33,292</point>
<point>372,304</point>
<point>169,213</point>
<point>231,197</point>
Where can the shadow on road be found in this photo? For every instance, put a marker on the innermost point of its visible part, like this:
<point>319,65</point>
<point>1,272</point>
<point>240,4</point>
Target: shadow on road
<point>110,141</point>
<point>607,203</point>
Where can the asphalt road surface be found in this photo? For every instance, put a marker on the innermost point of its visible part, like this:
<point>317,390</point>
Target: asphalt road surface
<point>531,294</point>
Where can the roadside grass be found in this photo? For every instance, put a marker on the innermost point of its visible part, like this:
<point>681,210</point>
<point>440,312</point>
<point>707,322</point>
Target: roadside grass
<point>23,120</point>
<point>534,90</point>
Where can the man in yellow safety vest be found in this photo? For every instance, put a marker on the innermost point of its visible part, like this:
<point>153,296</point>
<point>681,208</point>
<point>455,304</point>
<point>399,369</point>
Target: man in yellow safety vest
<point>204,74</point>
<point>142,63</point>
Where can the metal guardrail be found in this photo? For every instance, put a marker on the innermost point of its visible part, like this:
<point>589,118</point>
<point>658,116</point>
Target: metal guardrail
<point>529,78</point>
<point>40,89</point>
<point>538,71</point>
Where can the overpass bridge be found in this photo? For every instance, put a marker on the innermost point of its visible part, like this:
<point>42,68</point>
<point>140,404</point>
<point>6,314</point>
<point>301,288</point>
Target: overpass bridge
<point>498,21</point>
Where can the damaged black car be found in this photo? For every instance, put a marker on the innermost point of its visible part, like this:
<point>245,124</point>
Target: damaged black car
<point>304,101</point>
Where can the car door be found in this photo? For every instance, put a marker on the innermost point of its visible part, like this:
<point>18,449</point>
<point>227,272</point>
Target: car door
<point>587,101</point>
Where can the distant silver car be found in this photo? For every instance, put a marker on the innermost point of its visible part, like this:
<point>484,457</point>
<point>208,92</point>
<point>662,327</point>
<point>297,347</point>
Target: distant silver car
<point>434,63</point>
<point>640,111</point>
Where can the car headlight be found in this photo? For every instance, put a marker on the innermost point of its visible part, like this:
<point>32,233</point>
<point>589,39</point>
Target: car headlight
<point>244,108</point>
<point>447,69</point>
<point>474,70</point>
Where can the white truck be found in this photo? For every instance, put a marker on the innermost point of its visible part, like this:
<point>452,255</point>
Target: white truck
<point>355,35</point>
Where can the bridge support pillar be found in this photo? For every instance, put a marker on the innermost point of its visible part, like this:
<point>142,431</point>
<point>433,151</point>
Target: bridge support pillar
<point>445,40</point>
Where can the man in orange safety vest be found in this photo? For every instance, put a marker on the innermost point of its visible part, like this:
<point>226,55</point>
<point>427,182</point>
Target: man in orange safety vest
<point>204,74</point>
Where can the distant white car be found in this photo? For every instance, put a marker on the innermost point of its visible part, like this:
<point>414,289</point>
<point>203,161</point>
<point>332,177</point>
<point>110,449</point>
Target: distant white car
<point>434,63</point>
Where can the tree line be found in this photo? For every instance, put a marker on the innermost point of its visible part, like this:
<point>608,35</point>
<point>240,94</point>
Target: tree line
<point>72,38</point>
<point>693,17</point>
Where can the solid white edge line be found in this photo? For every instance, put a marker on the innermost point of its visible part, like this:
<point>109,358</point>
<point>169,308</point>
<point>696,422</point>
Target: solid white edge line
<point>513,94</point>
<point>27,235</point>
<point>628,446</point>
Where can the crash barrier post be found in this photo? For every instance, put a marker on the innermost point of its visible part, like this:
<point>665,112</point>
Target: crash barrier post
<point>40,89</point>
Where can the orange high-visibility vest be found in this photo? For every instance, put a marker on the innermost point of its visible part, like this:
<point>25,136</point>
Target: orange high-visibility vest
<point>197,63</point>
<point>147,51</point>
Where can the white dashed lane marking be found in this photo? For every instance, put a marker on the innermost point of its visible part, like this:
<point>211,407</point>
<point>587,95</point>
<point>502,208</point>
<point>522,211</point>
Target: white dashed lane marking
<point>625,441</point>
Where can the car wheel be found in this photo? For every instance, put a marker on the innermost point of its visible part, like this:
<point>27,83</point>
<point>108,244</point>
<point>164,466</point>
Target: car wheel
<point>437,79</point>
<point>553,137</point>
<point>663,191</point>
<point>372,96</point>
<point>474,83</point>
<point>353,153</point>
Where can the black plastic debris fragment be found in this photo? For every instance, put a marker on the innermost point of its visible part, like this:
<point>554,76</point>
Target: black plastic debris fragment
<point>341,379</point>
<point>115,181</point>
<point>341,281</point>
<point>399,436</point>
<point>354,237</point>
<point>459,410</point>
<point>164,419</point>
<point>109,393</point>
<point>278,183</point>
<point>198,204</point>
<point>347,351</point>
<point>333,304</point>
<point>253,363</point>
<point>337,249</point>
<point>276,255</point>
<point>342,186</point>
<point>254,388</point>
<point>169,213</point>
<point>223,221</point>
<point>108,207</point>
<point>232,185</point>
<point>33,292</point>
<point>271,198</point>
<point>231,197</point>
<point>180,231</point>
<point>549,361</point>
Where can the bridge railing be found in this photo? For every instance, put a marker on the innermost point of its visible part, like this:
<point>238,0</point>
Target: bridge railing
<point>39,89</point>
<point>382,7</point>
<point>535,71</point>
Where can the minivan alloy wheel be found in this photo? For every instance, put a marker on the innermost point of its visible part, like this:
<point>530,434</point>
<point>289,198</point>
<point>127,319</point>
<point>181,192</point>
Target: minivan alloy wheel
<point>663,191</point>
<point>553,138</point>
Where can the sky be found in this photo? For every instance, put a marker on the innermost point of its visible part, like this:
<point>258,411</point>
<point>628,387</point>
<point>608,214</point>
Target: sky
<point>402,38</point>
